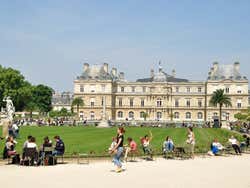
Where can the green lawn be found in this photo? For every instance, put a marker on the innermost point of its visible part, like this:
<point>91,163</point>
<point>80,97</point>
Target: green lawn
<point>86,139</point>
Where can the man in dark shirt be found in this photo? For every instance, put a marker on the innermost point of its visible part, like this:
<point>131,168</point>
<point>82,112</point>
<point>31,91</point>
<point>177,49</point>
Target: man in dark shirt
<point>60,147</point>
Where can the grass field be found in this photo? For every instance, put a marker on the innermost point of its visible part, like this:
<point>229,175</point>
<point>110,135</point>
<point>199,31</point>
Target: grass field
<point>86,139</point>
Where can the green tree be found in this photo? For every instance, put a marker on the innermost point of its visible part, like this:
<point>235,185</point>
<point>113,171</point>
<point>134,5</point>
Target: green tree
<point>31,107</point>
<point>77,102</point>
<point>240,116</point>
<point>13,84</point>
<point>219,98</point>
<point>42,97</point>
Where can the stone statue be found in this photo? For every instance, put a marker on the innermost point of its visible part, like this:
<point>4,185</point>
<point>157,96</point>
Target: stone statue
<point>10,109</point>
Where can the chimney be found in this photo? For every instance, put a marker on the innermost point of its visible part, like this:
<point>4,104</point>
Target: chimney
<point>152,73</point>
<point>215,66</point>
<point>237,66</point>
<point>85,67</point>
<point>106,67</point>
<point>114,71</point>
<point>173,73</point>
<point>121,76</point>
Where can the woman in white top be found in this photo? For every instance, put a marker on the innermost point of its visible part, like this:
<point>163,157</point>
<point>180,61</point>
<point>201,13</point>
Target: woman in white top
<point>191,140</point>
<point>235,145</point>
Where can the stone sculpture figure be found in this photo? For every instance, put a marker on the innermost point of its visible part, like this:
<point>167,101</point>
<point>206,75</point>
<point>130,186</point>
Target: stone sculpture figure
<point>10,109</point>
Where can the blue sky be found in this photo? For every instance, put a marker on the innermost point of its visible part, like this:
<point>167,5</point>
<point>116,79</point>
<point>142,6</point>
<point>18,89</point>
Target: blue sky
<point>48,41</point>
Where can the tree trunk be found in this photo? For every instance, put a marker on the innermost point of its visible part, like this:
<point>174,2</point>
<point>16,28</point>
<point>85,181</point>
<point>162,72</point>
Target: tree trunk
<point>220,115</point>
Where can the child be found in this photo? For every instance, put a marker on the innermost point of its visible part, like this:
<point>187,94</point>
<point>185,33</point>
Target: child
<point>113,144</point>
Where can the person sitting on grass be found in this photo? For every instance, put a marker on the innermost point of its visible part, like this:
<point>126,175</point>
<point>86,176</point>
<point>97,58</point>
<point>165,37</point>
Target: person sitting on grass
<point>246,143</point>
<point>168,145</point>
<point>216,147</point>
<point>59,148</point>
<point>32,145</point>
<point>9,149</point>
<point>145,141</point>
<point>132,148</point>
<point>235,144</point>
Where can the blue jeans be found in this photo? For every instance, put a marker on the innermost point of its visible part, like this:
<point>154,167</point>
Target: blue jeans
<point>56,153</point>
<point>117,157</point>
<point>169,147</point>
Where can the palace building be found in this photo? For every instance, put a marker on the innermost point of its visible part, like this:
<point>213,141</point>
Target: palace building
<point>161,96</point>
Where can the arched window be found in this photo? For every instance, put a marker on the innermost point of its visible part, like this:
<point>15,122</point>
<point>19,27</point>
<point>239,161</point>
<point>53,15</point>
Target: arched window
<point>92,115</point>
<point>159,102</point>
<point>120,114</point>
<point>188,115</point>
<point>176,115</point>
<point>200,115</point>
<point>158,115</point>
<point>131,115</point>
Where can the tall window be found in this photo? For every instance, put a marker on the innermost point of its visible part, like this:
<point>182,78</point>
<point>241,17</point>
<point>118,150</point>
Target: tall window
<point>239,105</point>
<point>188,103</point>
<point>102,101</point>
<point>131,102</point>
<point>188,115</point>
<point>92,102</point>
<point>131,115</point>
<point>81,88</point>
<point>176,115</point>
<point>227,116</point>
<point>227,90</point>
<point>199,103</point>
<point>92,115</point>
<point>188,90</point>
<point>176,103</point>
<point>142,103</point>
<point>122,89</point>
<point>199,89</point>
<point>81,114</point>
<point>120,101</point>
<point>158,115</point>
<point>199,115</point>
<point>143,89</point>
<point>120,114</point>
<point>159,102</point>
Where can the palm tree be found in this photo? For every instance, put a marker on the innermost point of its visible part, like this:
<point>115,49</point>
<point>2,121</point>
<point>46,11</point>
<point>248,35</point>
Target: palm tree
<point>219,98</point>
<point>77,102</point>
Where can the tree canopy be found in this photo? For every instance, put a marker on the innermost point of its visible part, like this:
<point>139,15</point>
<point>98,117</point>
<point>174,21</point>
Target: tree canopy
<point>24,95</point>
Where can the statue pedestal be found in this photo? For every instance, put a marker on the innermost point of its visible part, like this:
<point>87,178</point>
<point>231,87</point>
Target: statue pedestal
<point>103,124</point>
<point>6,124</point>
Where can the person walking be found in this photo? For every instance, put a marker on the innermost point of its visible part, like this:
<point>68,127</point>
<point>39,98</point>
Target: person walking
<point>118,149</point>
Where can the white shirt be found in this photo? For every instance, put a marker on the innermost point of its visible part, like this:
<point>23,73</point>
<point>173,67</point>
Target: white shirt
<point>15,127</point>
<point>31,145</point>
<point>233,141</point>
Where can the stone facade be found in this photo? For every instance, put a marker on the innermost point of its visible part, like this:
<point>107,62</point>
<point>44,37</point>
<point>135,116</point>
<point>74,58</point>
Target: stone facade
<point>62,100</point>
<point>161,97</point>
